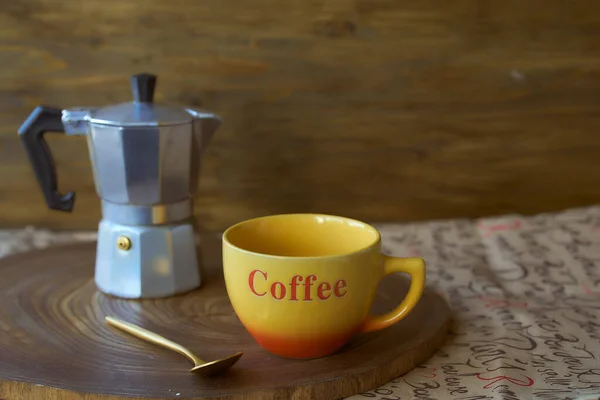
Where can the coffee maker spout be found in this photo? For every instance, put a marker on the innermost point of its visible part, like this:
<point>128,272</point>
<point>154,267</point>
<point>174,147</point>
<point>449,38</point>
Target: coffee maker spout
<point>205,126</point>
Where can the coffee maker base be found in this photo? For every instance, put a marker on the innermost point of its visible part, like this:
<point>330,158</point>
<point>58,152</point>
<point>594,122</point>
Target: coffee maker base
<point>152,261</point>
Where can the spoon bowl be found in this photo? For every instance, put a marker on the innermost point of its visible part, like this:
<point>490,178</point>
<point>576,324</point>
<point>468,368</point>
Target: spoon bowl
<point>217,366</point>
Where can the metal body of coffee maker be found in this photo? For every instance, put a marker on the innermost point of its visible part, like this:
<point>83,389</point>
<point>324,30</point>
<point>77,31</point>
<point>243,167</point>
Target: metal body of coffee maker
<point>146,160</point>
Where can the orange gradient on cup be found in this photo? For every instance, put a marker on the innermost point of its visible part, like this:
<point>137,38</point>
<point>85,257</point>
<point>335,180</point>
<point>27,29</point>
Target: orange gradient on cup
<point>303,284</point>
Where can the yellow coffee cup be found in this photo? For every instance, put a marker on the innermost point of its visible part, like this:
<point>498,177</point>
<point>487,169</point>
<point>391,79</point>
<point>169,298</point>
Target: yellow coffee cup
<point>303,284</point>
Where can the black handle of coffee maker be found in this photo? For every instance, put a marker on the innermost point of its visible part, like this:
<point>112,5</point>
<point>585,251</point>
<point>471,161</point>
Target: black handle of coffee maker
<point>41,120</point>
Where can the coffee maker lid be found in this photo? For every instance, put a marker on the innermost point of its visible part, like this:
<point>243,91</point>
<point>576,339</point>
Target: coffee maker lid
<point>142,111</point>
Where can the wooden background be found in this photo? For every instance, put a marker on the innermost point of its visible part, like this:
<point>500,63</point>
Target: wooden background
<point>383,110</point>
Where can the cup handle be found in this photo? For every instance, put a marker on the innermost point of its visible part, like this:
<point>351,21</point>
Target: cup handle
<point>415,267</point>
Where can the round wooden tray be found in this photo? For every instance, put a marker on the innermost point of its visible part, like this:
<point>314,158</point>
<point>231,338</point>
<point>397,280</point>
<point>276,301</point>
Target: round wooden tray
<point>54,343</point>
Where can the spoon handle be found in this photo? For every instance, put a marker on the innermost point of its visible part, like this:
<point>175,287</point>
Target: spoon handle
<point>152,337</point>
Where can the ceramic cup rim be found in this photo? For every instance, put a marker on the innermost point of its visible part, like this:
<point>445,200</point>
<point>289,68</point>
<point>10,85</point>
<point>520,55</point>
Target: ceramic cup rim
<point>372,244</point>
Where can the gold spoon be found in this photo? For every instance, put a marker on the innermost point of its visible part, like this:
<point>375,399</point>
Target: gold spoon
<point>200,366</point>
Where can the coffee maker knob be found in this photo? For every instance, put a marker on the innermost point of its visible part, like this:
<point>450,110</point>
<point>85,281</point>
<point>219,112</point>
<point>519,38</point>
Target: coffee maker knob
<point>142,86</point>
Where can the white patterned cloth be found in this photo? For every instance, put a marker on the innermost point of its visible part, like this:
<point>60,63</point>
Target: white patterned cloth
<point>526,296</point>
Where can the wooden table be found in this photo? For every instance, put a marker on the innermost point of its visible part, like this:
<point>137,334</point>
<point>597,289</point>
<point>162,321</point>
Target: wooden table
<point>525,291</point>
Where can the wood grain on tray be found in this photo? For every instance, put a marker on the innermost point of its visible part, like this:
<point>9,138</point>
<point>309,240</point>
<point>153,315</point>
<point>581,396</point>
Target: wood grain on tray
<point>55,337</point>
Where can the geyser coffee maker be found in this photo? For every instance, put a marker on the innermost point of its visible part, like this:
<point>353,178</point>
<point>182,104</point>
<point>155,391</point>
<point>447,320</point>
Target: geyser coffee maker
<point>146,160</point>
